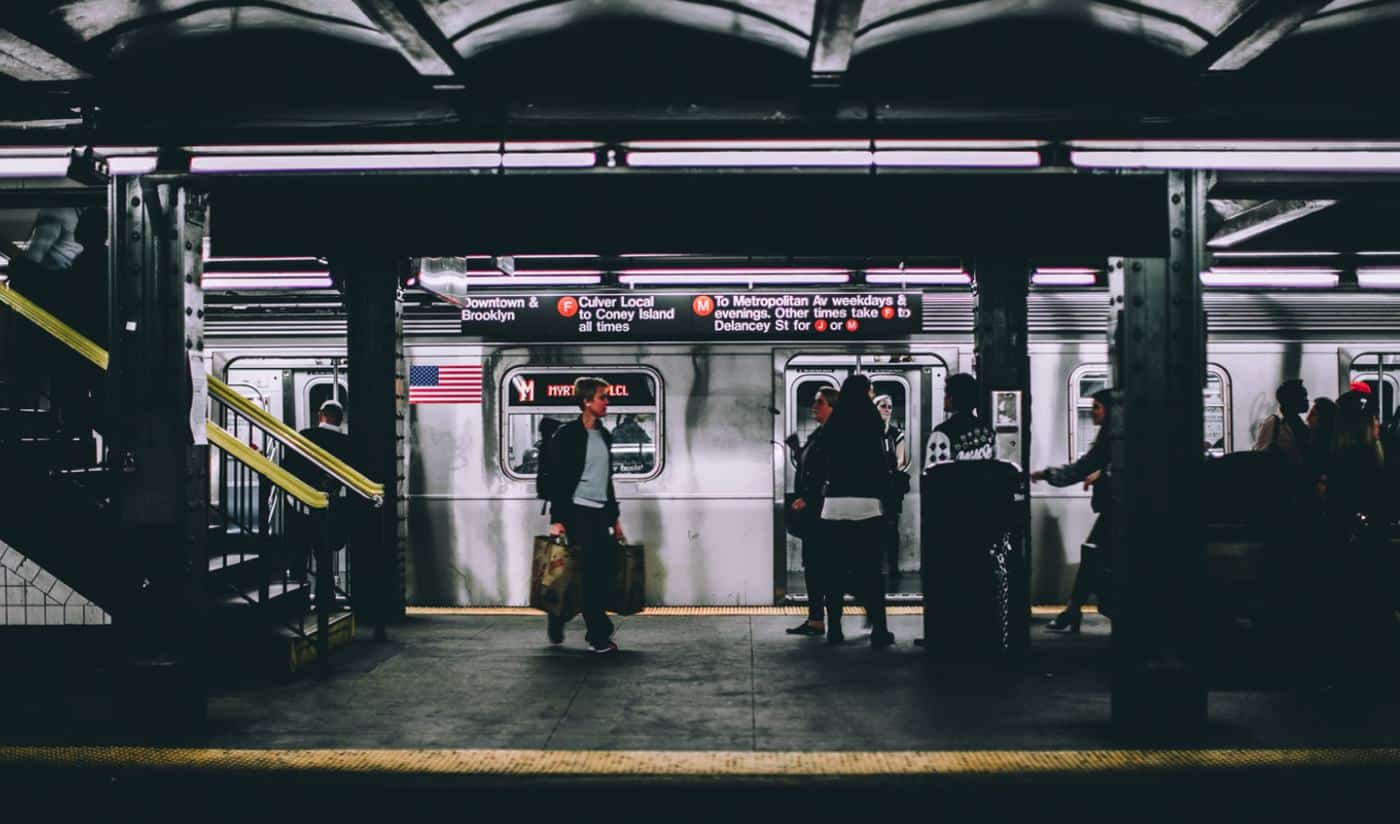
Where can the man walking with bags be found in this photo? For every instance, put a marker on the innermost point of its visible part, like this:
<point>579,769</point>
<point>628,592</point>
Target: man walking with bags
<point>583,507</point>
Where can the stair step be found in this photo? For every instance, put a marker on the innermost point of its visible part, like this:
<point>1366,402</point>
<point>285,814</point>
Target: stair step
<point>302,650</point>
<point>221,563</point>
<point>275,591</point>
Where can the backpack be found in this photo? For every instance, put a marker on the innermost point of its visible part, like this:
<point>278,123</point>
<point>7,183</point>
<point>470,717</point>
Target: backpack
<point>545,478</point>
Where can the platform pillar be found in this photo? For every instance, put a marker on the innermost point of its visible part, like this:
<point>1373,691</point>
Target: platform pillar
<point>1157,340</point>
<point>1003,367</point>
<point>156,407</point>
<point>377,416</point>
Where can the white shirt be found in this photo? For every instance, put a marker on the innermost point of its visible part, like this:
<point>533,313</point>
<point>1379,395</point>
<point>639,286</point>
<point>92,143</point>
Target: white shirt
<point>851,509</point>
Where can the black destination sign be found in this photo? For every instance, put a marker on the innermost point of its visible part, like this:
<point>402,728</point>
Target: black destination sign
<point>698,315</point>
<point>556,389</point>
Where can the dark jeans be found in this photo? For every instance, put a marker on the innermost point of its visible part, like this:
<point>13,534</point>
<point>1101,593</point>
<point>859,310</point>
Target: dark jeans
<point>814,563</point>
<point>588,529</point>
<point>855,564</point>
<point>889,538</point>
<point>1093,566</point>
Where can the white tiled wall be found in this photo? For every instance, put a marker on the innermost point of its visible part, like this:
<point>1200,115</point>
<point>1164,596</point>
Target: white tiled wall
<point>29,595</point>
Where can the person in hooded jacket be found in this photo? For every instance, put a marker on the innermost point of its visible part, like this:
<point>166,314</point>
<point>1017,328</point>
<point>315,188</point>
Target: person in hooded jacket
<point>856,480</point>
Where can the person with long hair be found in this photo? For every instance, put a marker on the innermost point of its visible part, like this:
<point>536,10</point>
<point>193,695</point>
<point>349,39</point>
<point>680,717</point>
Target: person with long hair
<point>856,479</point>
<point>1089,470</point>
<point>1321,421</point>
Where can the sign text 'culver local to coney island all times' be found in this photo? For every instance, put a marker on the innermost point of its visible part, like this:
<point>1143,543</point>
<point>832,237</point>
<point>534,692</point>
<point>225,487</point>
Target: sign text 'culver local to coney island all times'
<point>692,315</point>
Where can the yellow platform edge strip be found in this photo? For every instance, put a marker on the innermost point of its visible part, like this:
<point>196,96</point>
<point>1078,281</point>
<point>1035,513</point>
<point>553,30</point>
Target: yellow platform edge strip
<point>680,764</point>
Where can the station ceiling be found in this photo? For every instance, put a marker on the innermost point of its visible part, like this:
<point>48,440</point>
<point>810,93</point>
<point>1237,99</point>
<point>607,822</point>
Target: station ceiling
<point>184,70</point>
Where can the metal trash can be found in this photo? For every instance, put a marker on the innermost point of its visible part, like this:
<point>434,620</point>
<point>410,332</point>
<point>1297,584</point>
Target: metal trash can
<point>974,575</point>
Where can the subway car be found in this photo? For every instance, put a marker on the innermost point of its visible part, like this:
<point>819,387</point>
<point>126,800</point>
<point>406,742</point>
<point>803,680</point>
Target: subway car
<point>701,465</point>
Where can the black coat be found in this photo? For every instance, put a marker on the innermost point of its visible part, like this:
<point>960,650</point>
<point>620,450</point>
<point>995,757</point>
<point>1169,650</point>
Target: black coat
<point>336,443</point>
<point>856,466</point>
<point>568,450</point>
<point>811,470</point>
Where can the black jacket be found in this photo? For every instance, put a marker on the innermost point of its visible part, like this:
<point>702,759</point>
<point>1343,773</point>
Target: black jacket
<point>811,470</point>
<point>1095,460</point>
<point>336,443</point>
<point>568,450</point>
<point>856,466</point>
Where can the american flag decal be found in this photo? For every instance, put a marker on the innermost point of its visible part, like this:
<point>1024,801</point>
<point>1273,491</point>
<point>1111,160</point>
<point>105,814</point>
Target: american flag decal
<point>444,384</point>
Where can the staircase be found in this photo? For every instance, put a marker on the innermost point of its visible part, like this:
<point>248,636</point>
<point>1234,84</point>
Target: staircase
<point>56,507</point>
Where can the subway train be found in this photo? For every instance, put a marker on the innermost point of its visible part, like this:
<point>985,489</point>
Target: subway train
<point>700,461</point>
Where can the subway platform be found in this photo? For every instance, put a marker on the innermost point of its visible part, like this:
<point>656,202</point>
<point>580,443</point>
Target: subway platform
<point>478,702</point>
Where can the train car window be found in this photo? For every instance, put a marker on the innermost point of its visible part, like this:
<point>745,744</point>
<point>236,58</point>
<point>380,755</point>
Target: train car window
<point>1380,372</point>
<point>322,391</point>
<point>532,395</point>
<point>1091,378</point>
<point>804,395</point>
<point>898,392</point>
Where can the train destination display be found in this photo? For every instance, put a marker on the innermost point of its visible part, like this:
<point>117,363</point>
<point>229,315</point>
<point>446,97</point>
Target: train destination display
<point>707,315</point>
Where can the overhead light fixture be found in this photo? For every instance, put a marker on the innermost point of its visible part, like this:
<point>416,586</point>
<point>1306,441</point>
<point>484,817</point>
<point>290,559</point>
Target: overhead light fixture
<point>226,164</point>
<point>1241,160</point>
<point>267,280</point>
<point>738,276</point>
<point>471,147</point>
<point>749,158</point>
<point>955,158</point>
<point>33,166</point>
<point>542,277</point>
<point>1378,278</point>
<point>1303,278</point>
<point>928,276</point>
<point>1223,253</point>
<point>570,256</point>
<point>1065,276</point>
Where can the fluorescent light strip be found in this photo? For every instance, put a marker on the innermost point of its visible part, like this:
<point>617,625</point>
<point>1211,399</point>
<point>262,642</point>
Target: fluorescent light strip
<point>266,283</point>
<point>705,276</point>
<point>554,257</point>
<point>536,279</point>
<point>549,160</point>
<point>556,146</point>
<point>219,164</point>
<point>745,145</point>
<point>1235,145</point>
<point>349,148</point>
<point>740,159</point>
<point>961,158</point>
<point>34,166</point>
<point>1047,278</point>
<point>1357,161</point>
<point>934,276</point>
<point>211,259</point>
<point>1228,254</point>
<point>945,145</point>
<point>1265,278</point>
<point>1378,278</point>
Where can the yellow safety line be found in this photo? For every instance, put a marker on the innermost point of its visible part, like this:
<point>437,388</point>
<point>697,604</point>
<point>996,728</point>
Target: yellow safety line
<point>296,441</point>
<point>64,333</point>
<point>527,764</point>
<point>296,487</point>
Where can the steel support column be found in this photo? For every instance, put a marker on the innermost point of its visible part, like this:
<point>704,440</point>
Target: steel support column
<point>158,449</point>
<point>376,417</point>
<point>1157,340</point>
<point>1002,363</point>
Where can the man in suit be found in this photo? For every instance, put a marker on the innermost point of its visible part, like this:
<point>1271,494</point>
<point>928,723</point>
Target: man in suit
<point>329,434</point>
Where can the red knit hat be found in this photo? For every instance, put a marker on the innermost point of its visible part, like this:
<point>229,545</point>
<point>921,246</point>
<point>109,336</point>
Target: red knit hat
<point>1360,386</point>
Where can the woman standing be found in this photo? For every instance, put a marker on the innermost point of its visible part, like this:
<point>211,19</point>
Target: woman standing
<point>893,503</point>
<point>1089,470</point>
<point>856,479</point>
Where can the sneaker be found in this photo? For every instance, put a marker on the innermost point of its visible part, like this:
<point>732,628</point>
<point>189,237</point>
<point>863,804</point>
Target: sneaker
<point>555,630</point>
<point>604,649</point>
<point>806,628</point>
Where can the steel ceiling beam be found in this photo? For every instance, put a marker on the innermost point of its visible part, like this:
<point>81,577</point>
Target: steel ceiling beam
<point>1262,218</point>
<point>44,44</point>
<point>834,24</point>
<point>1258,27</point>
<point>420,40</point>
<point>28,62</point>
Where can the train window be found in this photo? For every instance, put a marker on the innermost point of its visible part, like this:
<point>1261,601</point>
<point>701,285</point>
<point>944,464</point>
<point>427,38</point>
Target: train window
<point>898,392</point>
<point>1091,378</point>
<point>804,395</point>
<point>321,391</point>
<point>1380,371</point>
<point>533,395</point>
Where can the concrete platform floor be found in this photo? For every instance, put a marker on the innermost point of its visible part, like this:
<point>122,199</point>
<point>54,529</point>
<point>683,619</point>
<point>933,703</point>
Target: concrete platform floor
<point>734,683</point>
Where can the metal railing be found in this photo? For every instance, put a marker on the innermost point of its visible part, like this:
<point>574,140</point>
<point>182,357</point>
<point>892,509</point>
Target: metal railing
<point>263,514</point>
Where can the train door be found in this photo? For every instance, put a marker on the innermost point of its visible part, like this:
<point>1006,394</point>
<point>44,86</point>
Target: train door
<point>1381,372</point>
<point>913,387</point>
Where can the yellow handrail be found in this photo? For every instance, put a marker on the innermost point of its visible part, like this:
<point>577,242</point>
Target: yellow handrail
<point>286,435</point>
<point>289,483</point>
<point>296,441</point>
<point>46,321</point>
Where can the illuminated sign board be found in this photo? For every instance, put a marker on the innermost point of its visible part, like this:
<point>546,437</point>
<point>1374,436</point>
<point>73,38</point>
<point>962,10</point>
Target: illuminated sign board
<point>556,389</point>
<point>698,315</point>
